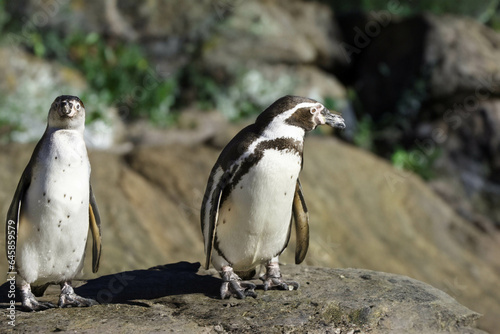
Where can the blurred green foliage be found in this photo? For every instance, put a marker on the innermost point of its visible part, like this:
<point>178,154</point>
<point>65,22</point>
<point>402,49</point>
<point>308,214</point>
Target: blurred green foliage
<point>331,103</point>
<point>416,161</point>
<point>119,73</point>
<point>364,133</point>
<point>247,95</point>
<point>203,85</point>
<point>3,14</point>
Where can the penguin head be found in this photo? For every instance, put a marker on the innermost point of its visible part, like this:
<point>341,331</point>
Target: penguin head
<point>301,112</point>
<point>67,112</point>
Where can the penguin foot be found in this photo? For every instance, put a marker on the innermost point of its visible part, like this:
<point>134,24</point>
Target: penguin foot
<point>273,279</point>
<point>233,286</point>
<point>30,303</point>
<point>69,298</point>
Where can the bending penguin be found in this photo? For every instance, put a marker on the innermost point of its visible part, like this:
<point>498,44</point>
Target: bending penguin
<point>252,193</point>
<point>52,210</point>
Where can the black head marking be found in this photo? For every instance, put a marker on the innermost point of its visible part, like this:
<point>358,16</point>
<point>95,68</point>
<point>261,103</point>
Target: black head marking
<point>279,106</point>
<point>302,118</point>
<point>67,99</point>
<point>307,114</point>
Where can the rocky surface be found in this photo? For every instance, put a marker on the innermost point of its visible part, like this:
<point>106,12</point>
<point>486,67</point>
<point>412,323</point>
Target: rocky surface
<point>364,214</point>
<point>181,298</point>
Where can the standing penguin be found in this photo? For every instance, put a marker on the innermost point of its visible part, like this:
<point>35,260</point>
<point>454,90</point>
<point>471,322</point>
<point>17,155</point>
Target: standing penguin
<point>253,190</point>
<point>52,210</point>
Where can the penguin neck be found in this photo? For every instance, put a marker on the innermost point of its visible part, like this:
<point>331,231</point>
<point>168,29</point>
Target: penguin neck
<point>78,129</point>
<point>56,122</point>
<point>280,129</point>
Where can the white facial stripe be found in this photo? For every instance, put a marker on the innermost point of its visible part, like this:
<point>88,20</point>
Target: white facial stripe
<point>278,128</point>
<point>283,116</point>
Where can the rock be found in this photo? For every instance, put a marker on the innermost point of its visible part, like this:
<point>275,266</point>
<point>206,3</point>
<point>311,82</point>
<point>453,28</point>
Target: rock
<point>181,297</point>
<point>169,31</point>
<point>290,32</point>
<point>259,85</point>
<point>449,58</point>
<point>467,171</point>
<point>193,127</point>
<point>437,93</point>
<point>463,57</point>
<point>263,50</point>
<point>254,52</point>
<point>30,86</point>
<point>364,214</point>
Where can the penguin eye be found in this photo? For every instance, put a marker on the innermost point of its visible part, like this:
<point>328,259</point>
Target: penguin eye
<point>313,110</point>
<point>77,106</point>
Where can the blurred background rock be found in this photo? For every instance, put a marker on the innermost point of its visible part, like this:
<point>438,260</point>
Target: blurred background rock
<point>410,187</point>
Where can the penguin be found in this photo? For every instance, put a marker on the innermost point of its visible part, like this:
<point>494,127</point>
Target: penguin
<point>52,210</point>
<point>252,193</point>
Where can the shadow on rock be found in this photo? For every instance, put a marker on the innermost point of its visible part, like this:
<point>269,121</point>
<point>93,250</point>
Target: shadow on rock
<point>171,279</point>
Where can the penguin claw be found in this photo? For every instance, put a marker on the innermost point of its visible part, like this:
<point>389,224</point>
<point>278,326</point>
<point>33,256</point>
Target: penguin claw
<point>238,289</point>
<point>34,305</point>
<point>69,298</point>
<point>73,300</point>
<point>31,304</point>
<point>233,286</point>
<point>273,279</point>
<point>279,283</point>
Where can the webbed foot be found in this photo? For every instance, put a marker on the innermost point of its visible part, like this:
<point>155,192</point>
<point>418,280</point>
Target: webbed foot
<point>273,280</point>
<point>69,298</point>
<point>232,285</point>
<point>29,301</point>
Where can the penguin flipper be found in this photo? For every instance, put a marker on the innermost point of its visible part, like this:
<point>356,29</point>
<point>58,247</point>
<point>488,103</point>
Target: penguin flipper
<point>301,218</point>
<point>95,228</point>
<point>212,224</point>
<point>14,214</point>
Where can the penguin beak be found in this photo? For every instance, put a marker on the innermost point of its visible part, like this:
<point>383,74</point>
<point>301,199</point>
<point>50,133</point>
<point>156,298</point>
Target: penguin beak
<point>334,120</point>
<point>64,108</point>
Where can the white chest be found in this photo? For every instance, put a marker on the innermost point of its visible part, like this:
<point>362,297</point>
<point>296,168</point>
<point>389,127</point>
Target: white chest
<point>255,219</point>
<point>55,213</point>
